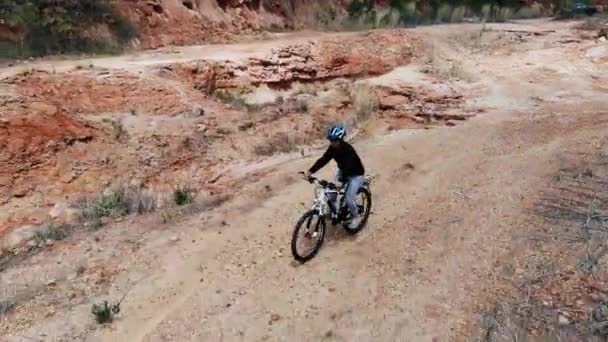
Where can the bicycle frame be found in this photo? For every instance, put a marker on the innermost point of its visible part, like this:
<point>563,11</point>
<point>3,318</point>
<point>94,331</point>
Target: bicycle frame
<point>326,208</point>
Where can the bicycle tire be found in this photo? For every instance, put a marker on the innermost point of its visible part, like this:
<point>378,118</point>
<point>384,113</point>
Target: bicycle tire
<point>367,211</point>
<point>306,220</point>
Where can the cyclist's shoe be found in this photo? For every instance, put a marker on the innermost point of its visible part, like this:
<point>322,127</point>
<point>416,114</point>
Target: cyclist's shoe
<point>355,222</point>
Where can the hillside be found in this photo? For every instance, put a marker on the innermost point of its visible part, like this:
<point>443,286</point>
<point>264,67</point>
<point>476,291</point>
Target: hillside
<point>41,27</point>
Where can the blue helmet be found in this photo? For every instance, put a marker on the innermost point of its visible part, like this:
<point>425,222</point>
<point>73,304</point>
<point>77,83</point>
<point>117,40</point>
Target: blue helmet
<point>337,132</point>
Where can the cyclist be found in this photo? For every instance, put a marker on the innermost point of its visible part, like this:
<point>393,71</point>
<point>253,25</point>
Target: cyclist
<point>350,168</point>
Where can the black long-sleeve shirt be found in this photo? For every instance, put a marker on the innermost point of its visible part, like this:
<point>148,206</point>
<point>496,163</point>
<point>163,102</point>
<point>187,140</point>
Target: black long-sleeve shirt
<point>345,156</point>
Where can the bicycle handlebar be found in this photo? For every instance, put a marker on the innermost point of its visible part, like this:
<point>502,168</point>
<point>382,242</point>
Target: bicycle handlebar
<point>313,179</point>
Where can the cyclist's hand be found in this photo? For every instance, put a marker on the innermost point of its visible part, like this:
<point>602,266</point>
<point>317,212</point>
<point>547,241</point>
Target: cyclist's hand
<point>306,175</point>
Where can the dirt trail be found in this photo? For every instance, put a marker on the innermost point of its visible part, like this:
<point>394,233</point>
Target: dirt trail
<point>411,275</point>
<point>419,269</point>
<point>448,203</point>
<point>170,55</point>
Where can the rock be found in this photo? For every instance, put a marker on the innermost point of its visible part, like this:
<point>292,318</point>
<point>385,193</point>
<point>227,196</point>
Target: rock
<point>32,243</point>
<point>22,191</point>
<point>202,128</point>
<point>58,209</point>
<point>51,282</point>
<point>69,177</point>
<point>246,125</point>
<point>601,39</point>
<point>174,238</point>
<point>392,102</point>
<point>19,236</point>
<point>274,318</point>
<point>562,319</point>
<point>51,312</point>
<point>598,297</point>
<point>136,183</point>
<point>43,108</point>
<point>62,213</point>
<point>198,111</point>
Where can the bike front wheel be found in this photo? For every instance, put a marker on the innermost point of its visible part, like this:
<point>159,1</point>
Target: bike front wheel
<point>308,236</point>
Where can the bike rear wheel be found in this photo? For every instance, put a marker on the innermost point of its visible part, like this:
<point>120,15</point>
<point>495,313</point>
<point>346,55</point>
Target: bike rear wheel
<point>364,203</point>
<point>310,229</point>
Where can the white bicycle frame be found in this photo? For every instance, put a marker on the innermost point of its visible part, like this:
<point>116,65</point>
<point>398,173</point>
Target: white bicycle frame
<point>321,200</point>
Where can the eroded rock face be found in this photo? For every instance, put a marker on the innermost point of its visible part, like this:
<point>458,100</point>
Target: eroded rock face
<point>357,56</point>
<point>28,141</point>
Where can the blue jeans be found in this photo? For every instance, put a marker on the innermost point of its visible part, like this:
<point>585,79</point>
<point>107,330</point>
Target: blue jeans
<point>353,184</point>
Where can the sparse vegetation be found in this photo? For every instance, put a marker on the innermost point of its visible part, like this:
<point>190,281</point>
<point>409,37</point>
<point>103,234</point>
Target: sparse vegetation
<point>280,143</point>
<point>599,320</point>
<point>104,313</point>
<point>117,201</point>
<point>534,11</point>
<point>183,195</point>
<point>52,232</point>
<point>446,68</point>
<point>46,27</point>
<point>302,106</point>
<point>235,100</point>
<point>364,102</point>
<point>594,23</point>
<point>549,307</point>
<point>327,17</point>
<point>6,305</point>
<point>304,88</point>
<point>363,13</point>
<point>119,132</point>
<point>198,204</point>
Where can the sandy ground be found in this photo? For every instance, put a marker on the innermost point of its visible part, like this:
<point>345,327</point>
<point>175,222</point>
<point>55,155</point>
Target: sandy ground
<point>448,205</point>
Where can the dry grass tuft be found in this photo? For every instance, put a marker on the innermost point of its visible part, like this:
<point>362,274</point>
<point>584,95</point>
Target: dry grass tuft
<point>279,143</point>
<point>364,103</point>
<point>447,68</point>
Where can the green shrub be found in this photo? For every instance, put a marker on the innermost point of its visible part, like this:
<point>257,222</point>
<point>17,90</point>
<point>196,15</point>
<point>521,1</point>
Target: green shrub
<point>182,195</point>
<point>52,232</point>
<point>358,8</point>
<point>116,201</point>
<point>104,313</point>
<point>409,12</point>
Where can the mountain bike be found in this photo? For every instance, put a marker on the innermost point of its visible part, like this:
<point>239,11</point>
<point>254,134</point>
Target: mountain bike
<point>329,204</point>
